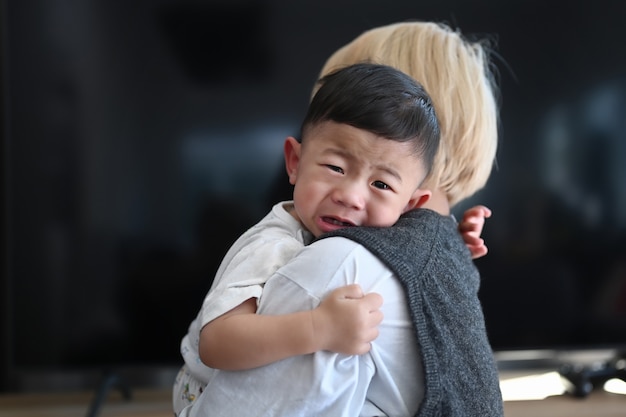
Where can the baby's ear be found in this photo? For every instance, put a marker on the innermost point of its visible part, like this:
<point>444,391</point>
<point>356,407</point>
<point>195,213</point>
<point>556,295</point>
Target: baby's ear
<point>292,158</point>
<point>418,199</point>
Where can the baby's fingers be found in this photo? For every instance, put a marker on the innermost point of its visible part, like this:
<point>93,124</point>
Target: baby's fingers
<point>349,291</point>
<point>373,301</point>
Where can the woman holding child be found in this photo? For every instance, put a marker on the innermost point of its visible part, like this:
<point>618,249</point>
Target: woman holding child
<point>432,356</point>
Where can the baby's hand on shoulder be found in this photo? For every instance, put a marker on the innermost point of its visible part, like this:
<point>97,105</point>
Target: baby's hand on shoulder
<point>347,320</point>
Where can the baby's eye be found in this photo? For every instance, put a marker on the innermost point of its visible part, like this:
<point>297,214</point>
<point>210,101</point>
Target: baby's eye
<point>381,185</point>
<point>335,168</point>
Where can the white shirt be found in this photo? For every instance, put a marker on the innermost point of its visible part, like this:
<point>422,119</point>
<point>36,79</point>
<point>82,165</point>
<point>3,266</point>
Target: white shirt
<point>388,381</point>
<point>252,259</point>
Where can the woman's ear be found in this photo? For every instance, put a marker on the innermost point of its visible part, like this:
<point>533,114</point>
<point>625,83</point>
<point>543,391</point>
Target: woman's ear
<point>292,158</point>
<point>418,199</point>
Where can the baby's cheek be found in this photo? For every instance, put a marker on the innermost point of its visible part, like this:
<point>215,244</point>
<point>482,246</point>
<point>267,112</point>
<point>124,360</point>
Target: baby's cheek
<point>385,218</point>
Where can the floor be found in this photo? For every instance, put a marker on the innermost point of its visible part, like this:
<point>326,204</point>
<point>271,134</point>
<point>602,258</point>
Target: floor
<point>144,403</point>
<point>157,403</point>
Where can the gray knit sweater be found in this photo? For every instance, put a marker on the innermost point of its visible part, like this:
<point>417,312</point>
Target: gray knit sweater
<point>427,254</point>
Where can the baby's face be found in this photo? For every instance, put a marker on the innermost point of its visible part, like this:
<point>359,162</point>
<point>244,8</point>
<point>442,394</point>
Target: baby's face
<point>347,177</point>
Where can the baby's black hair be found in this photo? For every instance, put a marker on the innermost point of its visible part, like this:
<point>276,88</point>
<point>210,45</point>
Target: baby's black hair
<point>381,100</point>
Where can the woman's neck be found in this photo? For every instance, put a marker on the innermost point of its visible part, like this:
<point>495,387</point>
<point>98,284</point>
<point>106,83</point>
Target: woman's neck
<point>438,202</point>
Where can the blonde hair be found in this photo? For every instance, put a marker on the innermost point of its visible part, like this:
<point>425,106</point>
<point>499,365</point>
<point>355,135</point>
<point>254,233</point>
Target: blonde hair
<point>457,75</point>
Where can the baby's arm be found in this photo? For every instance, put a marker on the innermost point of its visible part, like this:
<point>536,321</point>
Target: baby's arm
<point>471,226</point>
<point>345,322</point>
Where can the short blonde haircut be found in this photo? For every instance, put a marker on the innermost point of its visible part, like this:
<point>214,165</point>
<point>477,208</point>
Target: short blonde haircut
<point>457,75</point>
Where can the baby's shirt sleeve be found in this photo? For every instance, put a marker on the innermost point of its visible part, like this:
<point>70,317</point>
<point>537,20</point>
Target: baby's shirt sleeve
<point>246,273</point>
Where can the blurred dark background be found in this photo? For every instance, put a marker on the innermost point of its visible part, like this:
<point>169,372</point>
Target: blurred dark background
<point>140,137</point>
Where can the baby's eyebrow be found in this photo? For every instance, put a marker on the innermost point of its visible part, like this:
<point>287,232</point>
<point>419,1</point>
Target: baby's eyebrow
<point>339,152</point>
<point>390,170</point>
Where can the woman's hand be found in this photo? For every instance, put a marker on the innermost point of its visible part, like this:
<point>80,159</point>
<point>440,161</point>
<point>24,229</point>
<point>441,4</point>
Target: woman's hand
<point>471,227</point>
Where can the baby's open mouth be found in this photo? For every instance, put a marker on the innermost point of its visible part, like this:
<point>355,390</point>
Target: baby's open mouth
<point>337,222</point>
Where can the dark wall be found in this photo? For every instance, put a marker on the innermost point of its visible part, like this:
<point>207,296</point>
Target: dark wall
<point>141,137</point>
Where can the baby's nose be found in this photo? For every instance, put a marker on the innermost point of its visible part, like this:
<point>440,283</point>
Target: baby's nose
<point>350,194</point>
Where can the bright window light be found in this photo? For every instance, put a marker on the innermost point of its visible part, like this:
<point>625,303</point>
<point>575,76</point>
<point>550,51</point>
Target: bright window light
<point>615,386</point>
<point>533,387</point>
